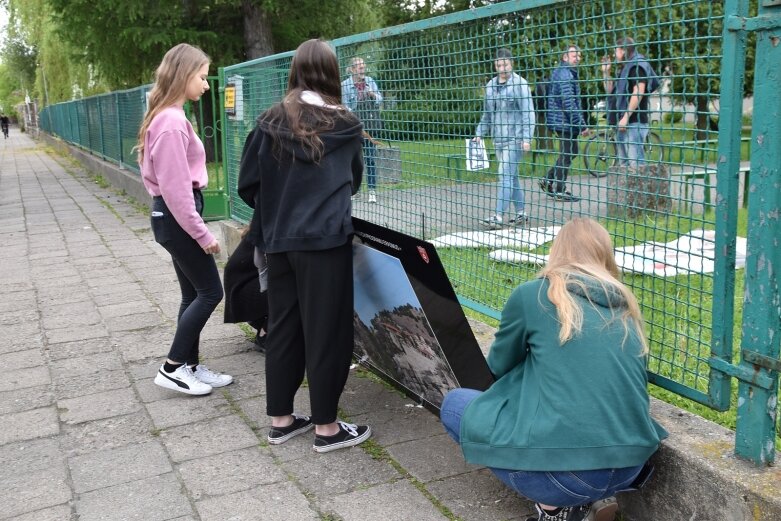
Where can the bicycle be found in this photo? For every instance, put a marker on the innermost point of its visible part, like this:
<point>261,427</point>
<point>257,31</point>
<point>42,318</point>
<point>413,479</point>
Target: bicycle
<point>599,153</point>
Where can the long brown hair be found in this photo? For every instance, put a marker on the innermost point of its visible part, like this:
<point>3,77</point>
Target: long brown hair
<point>179,65</point>
<point>314,68</point>
<point>583,248</point>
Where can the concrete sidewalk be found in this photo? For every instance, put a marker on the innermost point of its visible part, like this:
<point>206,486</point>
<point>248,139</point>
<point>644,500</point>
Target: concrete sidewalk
<point>87,310</point>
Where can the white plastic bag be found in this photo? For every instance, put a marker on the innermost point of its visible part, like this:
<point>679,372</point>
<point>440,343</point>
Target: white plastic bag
<point>476,157</point>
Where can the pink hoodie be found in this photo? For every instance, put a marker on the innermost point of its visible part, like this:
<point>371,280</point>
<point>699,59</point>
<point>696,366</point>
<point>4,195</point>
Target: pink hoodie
<point>174,164</point>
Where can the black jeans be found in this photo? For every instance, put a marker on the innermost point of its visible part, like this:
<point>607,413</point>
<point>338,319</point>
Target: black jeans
<point>568,149</point>
<point>198,277</point>
<point>310,296</point>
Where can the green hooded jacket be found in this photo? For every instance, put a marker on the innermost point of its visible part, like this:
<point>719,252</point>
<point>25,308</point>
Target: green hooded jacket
<point>579,406</point>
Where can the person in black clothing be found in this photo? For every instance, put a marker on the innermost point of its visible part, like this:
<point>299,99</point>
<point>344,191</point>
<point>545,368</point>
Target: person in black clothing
<point>4,122</point>
<point>628,101</point>
<point>299,168</point>
<point>565,117</point>
<point>244,299</point>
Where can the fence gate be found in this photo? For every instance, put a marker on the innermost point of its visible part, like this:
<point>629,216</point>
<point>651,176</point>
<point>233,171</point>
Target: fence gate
<point>758,365</point>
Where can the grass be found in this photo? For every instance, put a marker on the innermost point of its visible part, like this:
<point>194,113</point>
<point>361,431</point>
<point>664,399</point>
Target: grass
<point>440,162</point>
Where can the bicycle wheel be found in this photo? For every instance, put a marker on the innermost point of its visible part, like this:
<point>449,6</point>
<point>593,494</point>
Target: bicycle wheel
<point>653,148</point>
<point>599,154</point>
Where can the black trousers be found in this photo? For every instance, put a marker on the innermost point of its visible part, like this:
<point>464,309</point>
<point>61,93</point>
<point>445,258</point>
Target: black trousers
<point>199,280</point>
<point>568,149</point>
<point>310,329</point>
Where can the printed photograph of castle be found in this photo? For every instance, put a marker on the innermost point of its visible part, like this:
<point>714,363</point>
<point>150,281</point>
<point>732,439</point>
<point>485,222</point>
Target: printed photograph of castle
<point>392,334</point>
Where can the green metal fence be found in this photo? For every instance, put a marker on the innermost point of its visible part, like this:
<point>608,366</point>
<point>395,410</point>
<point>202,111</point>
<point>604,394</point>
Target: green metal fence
<point>107,126</point>
<point>678,253</point>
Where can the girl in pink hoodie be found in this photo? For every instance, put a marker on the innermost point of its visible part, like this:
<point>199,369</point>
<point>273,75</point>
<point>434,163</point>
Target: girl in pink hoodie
<point>173,168</point>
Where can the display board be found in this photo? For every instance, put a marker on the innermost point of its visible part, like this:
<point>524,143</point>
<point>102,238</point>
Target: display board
<point>409,326</point>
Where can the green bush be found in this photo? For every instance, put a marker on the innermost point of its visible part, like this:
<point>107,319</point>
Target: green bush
<point>672,117</point>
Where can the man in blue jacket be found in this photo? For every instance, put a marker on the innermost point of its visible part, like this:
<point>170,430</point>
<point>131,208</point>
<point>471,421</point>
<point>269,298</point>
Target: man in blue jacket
<point>565,118</point>
<point>508,116</point>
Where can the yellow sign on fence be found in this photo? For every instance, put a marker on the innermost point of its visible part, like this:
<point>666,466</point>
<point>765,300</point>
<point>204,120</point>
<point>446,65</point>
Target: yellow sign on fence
<point>230,99</point>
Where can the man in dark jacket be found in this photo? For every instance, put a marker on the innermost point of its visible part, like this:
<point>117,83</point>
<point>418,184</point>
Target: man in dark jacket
<point>565,117</point>
<point>628,100</point>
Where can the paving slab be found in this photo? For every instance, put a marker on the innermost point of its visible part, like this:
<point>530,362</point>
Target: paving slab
<point>98,406</point>
<point>28,358</point>
<point>20,400</point>
<point>208,437</point>
<point>72,387</point>
<point>479,496</point>
<point>120,465</point>
<point>262,503</point>
<point>230,472</point>
<point>181,409</point>
<point>152,499</point>
<point>24,378</point>
<point>431,458</point>
<point>330,474</point>
<point>27,425</point>
<point>104,434</point>
<point>31,491</point>
<point>399,501</point>
<point>58,513</point>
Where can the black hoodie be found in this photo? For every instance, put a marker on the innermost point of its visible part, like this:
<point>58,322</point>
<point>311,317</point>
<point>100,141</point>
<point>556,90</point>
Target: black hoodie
<point>301,205</point>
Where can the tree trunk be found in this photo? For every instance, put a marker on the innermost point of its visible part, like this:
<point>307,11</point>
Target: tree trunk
<point>705,123</point>
<point>257,30</point>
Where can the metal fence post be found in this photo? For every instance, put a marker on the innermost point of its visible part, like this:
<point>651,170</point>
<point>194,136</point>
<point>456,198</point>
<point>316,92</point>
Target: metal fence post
<point>119,131</point>
<point>757,411</point>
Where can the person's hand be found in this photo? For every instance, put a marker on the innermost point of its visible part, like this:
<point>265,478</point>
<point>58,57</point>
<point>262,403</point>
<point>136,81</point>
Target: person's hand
<point>526,146</point>
<point>476,139</point>
<point>586,132</point>
<point>212,247</point>
<point>623,122</point>
<point>606,65</point>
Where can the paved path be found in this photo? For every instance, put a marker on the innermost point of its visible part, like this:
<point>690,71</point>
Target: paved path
<point>87,309</point>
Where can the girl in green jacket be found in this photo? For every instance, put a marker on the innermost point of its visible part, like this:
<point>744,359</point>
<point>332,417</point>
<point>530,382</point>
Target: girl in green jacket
<point>567,422</point>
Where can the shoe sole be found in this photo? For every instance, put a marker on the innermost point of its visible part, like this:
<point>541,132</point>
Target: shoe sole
<point>164,382</point>
<point>603,510</point>
<point>282,439</point>
<point>220,385</point>
<point>344,444</point>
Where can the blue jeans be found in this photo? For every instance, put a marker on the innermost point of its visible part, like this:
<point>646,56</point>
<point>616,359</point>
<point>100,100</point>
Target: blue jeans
<point>509,157</point>
<point>558,488</point>
<point>630,143</point>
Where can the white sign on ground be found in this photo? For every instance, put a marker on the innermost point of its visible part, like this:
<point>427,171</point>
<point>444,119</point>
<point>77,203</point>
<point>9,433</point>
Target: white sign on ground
<point>693,253</point>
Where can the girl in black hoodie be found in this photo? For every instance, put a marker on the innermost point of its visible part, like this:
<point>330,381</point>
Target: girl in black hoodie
<point>300,165</point>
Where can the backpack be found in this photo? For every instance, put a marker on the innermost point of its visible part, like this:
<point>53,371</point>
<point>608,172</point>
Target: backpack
<point>540,96</point>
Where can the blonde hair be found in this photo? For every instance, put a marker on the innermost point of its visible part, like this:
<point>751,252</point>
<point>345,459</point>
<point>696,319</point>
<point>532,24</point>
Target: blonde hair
<point>179,65</point>
<point>583,248</point>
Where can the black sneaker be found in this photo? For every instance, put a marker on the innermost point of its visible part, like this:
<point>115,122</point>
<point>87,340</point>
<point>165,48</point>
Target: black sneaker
<point>579,513</point>
<point>493,222</point>
<point>520,219</point>
<point>347,436</point>
<point>300,425</point>
<point>546,186</point>
<point>566,197</point>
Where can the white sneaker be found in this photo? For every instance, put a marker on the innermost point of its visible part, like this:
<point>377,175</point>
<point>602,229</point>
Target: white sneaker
<point>372,196</point>
<point>207,376</point>
<point>182,380</point>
